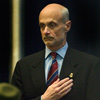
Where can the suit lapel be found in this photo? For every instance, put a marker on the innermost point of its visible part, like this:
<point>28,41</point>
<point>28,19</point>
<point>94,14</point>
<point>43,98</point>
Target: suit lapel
<point>38,74</point>
<point>69,66</point>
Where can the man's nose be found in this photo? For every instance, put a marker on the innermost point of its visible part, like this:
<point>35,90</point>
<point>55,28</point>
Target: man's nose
<point>46,30</point>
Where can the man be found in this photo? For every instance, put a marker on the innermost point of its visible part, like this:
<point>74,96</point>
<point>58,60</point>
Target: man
<point>77,74</point>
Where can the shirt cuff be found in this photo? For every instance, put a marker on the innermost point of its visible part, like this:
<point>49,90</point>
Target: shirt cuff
<point>41,97</point>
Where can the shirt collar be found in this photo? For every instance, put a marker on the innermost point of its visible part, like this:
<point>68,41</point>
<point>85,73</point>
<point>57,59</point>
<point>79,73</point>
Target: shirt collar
<point>62,51</point>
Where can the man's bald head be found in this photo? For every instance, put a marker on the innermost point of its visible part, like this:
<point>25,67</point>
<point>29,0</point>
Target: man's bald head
<point>57,10</point>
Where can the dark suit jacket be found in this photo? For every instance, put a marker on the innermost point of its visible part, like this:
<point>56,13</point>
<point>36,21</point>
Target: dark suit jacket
<point>29,76</point>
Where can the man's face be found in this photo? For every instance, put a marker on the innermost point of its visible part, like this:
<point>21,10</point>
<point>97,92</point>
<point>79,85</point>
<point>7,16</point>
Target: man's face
<point>53,30</point>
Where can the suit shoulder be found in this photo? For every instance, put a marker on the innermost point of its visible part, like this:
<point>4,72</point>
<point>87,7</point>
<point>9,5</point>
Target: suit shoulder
<point>32,57</point>
<point>82,55</point>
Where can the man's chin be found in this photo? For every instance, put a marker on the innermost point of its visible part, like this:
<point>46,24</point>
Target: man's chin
<point>49,44</point>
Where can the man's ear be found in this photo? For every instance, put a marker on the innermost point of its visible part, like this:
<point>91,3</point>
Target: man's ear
<point>67,25</point>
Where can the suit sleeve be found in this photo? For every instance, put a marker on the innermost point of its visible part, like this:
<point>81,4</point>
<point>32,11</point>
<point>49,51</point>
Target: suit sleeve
<point>17,81</point>
<point>93,87</point>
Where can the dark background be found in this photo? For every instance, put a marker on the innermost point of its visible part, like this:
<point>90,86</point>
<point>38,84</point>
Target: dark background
<point>84,34</point>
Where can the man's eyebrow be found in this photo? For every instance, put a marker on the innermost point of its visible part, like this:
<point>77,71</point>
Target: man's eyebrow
<point>52,21</point>
<point>41,23</point>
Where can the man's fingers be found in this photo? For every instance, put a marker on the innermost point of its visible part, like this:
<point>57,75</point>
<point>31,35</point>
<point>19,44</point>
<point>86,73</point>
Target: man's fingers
<point>66,92</point>
<point>56,81</point>
<point>58,89</point>
<point>66,89</point>
<point>66,84</point>
<point>62,82</point>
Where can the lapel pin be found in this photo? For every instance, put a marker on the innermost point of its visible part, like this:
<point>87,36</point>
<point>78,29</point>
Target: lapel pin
<point>71,75</point>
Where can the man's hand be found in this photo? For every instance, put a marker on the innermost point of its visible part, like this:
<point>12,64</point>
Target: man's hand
<point>58,89</point>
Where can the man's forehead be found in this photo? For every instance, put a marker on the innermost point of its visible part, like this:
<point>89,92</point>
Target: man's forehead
<point>50,13</point>
<point>43,21</point>
<point>50,16</point>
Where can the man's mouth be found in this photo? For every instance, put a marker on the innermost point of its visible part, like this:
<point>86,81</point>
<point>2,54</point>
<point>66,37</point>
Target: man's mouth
<point>48,38</point>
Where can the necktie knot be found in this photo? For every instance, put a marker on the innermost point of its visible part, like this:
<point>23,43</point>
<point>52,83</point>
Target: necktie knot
<point>53,54</point>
